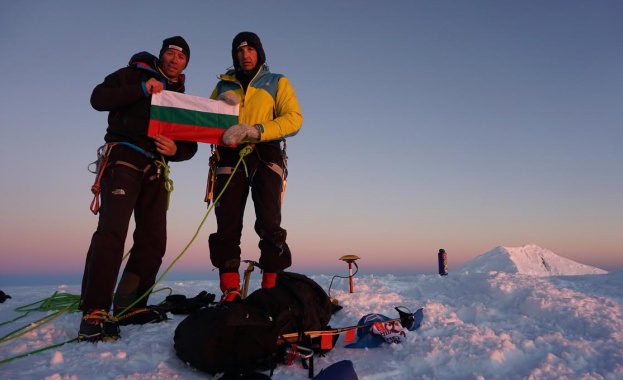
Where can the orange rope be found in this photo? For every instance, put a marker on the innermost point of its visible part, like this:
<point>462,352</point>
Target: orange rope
<point>96,188</point>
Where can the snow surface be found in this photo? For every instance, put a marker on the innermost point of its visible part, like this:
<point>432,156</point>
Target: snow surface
<point>511,313</point>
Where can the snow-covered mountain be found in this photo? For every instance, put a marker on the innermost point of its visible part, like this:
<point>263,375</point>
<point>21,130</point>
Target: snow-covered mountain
<point>529,259</point>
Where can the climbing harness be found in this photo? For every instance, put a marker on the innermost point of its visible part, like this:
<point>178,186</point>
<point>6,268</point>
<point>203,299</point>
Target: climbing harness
<point>103,153</point>
<point>215,170</point>
<point>100,164</point>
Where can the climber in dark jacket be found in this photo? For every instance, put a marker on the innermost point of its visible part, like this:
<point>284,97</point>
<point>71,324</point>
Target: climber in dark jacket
<point>132,177</point>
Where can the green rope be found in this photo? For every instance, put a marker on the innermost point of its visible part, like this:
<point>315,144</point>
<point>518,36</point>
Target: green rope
<point>60,302</point>
<point>55,302</point>
<point>243,152</point>
<point>163,289</point>
<point>52,303</point>
<point>168,182</point>
<point>4,361</point>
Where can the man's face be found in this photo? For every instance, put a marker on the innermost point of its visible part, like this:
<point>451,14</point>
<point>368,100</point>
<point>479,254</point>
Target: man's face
<point>247,58</point>
<point>173,63</point>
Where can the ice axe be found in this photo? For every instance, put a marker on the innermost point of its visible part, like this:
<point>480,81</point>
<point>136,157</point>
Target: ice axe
<point>247,276</point>
<point>350,259</point>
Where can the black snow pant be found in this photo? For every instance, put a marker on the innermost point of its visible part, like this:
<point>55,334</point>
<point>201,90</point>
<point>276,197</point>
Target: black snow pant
<point>130,184</point>
<point>266,175</point>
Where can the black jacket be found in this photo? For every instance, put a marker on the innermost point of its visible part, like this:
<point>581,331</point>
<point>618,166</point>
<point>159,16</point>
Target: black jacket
<point>122,94</point>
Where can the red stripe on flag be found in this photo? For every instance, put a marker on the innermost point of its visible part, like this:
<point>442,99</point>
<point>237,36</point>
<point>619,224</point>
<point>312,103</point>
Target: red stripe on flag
<point>326,341</point>
<point>350,336</point>
<point>186,132</point>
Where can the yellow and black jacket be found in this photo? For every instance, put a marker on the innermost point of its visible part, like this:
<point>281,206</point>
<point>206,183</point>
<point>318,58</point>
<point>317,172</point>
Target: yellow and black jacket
<point>269,102</point>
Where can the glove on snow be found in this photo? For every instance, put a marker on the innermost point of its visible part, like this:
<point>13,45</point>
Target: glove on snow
<point>236,134</point>
<point>229,98</point>
<point>179,304</point>
<point>3,296</point>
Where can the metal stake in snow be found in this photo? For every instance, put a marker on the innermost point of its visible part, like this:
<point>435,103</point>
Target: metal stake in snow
<point>350,259</point>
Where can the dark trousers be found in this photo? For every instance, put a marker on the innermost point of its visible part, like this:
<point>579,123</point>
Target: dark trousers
<point>265,185</point>
<point>126,189</point>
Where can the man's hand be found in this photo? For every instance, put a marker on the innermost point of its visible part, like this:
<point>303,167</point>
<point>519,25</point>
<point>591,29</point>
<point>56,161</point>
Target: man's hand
<point>154,86</point>
<point>165,145</point>
<point>229,98</point>
<point>236,134</point>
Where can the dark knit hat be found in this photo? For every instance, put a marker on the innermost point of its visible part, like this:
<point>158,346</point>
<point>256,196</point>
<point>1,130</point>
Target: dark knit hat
<point>247,39</point>
<point>176,43</point>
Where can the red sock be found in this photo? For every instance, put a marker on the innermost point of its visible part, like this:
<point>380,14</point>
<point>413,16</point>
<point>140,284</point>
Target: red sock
<point>268,280</point>
<point>230,281</point>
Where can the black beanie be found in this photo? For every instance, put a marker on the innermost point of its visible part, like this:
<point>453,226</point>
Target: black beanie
<point>250,39</point>
<point>176,43</point>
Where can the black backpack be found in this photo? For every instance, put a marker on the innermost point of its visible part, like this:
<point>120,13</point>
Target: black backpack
<point>242,337</point>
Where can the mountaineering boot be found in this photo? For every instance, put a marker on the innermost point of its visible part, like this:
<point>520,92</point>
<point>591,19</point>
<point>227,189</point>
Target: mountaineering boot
<point>98,325</point>
<point>268,280</point>
<point>139,315</point>
<point>230,286</point>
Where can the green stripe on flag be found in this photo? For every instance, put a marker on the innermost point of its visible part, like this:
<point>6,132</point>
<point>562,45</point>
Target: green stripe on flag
<point>190,117</point>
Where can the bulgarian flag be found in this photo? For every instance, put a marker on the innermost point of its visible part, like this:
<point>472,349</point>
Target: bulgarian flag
<point>192,118</point>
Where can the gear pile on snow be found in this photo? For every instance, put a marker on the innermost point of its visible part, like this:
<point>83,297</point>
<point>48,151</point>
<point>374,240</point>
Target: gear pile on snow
<point>378,328</point>
<point>242,337</point>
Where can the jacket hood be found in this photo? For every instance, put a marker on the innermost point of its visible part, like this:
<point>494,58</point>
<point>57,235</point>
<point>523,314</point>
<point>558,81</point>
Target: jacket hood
<point>247,39</point>
<point>147,61</point>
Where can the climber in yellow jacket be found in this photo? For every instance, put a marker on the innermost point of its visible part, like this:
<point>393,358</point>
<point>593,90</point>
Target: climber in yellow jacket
<point>269,112</point>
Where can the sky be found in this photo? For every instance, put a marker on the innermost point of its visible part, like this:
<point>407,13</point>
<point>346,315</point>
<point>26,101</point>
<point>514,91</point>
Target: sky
<point>506,321</point>
<point>427,125</point>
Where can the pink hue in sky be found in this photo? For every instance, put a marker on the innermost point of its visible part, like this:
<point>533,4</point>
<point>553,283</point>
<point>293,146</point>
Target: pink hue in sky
<point>435,126</point>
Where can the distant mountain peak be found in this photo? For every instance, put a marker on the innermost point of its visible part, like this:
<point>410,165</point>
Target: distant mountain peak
<point>529,259</point>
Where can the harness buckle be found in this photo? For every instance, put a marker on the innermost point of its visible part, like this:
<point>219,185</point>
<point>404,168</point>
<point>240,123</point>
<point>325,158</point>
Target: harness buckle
<point>211,175</point>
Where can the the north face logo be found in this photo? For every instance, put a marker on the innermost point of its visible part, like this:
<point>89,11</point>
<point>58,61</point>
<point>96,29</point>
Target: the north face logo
<point>118,192</point>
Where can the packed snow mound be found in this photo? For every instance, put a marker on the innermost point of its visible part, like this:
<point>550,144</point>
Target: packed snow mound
<point>529,259</point>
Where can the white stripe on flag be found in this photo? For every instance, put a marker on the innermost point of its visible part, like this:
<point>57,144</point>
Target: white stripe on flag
<point>193,103</point>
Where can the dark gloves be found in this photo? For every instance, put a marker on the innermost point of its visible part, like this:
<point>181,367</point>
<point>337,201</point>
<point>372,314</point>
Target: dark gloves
<point>179,304</point>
